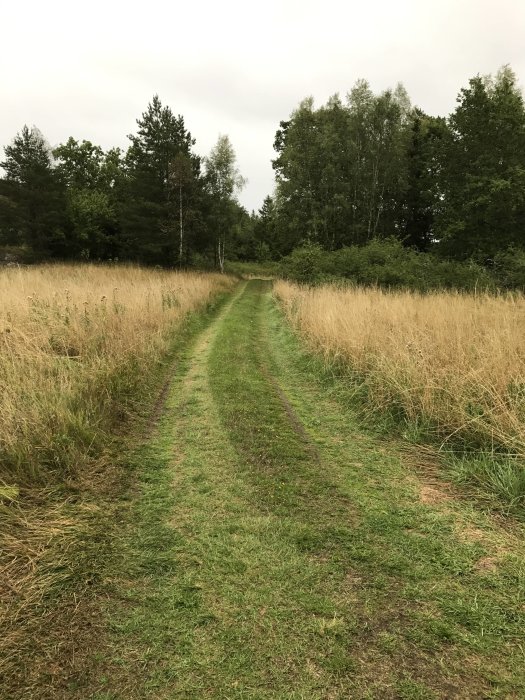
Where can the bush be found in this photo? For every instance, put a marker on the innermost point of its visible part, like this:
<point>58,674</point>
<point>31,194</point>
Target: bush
<point>305,264</point>
<point>509,268</point>
<point>384,263</point>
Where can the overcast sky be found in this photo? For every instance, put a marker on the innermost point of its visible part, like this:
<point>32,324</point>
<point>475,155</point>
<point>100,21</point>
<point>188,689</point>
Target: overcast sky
<point>88,69</point>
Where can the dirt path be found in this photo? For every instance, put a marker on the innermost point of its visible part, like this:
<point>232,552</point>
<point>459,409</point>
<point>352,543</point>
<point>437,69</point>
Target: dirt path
<point>279,551</point>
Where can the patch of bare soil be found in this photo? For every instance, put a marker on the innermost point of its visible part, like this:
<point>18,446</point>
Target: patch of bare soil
<point>486,564</point>
<point>432,494</point>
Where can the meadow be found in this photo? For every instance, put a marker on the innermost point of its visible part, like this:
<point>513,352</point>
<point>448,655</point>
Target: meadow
<point>184,482</point>
<point>448,367</point>
<point>75,345</point>
<point>84,350</point>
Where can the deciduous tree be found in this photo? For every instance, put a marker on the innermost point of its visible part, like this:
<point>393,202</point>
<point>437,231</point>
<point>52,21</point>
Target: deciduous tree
<point>224,181</point>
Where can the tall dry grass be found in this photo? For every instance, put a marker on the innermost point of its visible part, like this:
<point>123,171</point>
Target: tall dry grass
<point>79,347</point>
<point>75,344</point>
<point>450,362</point>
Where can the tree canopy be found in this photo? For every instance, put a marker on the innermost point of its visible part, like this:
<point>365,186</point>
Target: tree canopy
<point>348,173</point>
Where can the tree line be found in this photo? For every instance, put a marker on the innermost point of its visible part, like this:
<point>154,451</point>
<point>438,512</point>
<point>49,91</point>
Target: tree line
<point>348,174</point>
<point>158,202</point>
<point>374,167</point>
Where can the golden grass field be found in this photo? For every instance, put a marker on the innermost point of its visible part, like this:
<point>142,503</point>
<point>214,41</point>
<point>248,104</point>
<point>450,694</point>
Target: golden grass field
<point>451,362</point>
<point>75,342</point>
<point>80,346</point>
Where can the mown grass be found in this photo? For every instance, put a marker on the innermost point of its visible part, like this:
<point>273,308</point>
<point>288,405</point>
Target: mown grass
<point>58,519</point>
<point>444,367</point>
<point>279,551</point>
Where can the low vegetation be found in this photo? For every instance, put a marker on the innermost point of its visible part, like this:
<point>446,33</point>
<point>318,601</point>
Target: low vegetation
<point>75,344</point>
<point>252,538</point>
<point>389,264</point>
<point>277,550</point>
<point>82,350</point>
<point>253,270</point>
<point>448,366</point>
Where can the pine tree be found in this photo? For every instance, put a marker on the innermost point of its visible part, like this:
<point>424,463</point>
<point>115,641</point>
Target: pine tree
<point>34,201</point>
<point>149,216</point>
<point>483,173</point>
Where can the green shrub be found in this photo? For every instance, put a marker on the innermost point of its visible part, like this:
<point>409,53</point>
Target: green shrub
<point>509,268</point>
<point>384,263</point>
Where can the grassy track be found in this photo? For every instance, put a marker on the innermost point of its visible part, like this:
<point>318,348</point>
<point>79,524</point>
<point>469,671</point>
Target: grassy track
<point>279,551</point>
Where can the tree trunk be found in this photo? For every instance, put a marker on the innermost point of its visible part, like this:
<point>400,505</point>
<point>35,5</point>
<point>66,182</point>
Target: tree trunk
<point>379,209</point>
<point>180,225</point>
<point>221,255</point>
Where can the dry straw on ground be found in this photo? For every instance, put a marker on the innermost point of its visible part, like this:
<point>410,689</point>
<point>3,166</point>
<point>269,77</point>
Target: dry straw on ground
<point>452,362</point>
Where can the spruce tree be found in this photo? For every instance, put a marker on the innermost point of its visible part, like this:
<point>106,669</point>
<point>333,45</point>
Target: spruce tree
<point>483,173</point>
<point>34,194</point>
<point>149,215</point>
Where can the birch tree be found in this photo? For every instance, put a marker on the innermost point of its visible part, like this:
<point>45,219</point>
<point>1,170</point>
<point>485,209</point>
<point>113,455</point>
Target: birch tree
<point>224,181</point>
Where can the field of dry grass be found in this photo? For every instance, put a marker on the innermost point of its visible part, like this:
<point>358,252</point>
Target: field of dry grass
<point>451,365</point>
<point>80,348</point>
<point>75,342</point>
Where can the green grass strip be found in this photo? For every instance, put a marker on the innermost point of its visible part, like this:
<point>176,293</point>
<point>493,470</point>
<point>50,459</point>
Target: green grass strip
<point>279,551</point>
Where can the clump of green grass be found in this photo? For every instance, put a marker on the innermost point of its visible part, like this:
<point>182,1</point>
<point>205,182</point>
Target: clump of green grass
<point>496,474</point>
